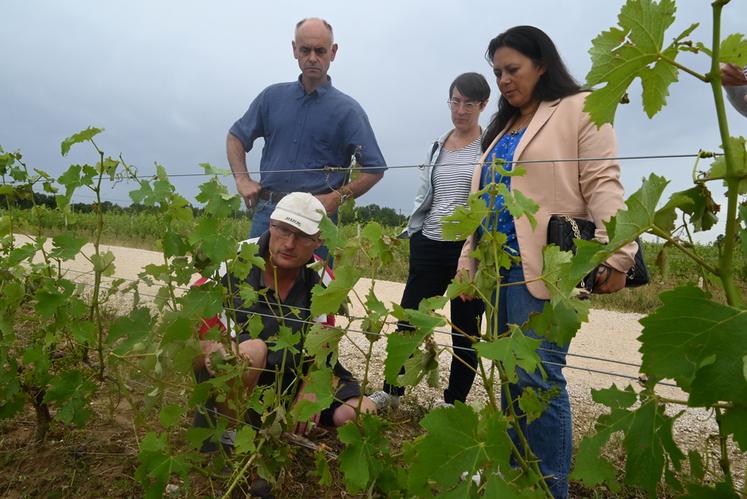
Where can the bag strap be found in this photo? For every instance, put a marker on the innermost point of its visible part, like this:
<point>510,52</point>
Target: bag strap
<point>574,226</point>
<point>433,151</point>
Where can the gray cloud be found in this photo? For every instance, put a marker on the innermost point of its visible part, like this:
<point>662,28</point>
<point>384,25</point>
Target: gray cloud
<point>166,79</point>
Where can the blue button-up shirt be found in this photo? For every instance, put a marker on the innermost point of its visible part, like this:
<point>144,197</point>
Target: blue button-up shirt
<point>307,132</point>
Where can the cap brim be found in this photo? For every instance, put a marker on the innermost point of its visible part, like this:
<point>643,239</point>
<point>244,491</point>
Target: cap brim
<point>305,225</point>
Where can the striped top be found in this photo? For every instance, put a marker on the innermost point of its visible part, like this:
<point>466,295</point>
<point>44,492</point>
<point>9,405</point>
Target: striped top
<point>452,178</point>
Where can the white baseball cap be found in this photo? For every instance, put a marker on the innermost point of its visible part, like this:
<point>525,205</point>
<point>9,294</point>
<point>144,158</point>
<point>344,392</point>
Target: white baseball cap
<point>301,210</point>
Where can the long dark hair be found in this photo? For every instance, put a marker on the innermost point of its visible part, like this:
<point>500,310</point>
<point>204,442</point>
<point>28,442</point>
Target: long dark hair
<point>556,82</point>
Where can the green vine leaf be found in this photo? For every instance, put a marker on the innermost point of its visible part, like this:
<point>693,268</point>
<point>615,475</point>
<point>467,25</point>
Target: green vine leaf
<point>244,441</point>
<point>157,464</point>
<point>419,365</point>
<point>66,246</point>
<point>719,168</point>
<point>466,219</point>
<point>699,343</point>
<point>211,170</point>
<point>76,176</point>
<point>318,382</point>
<point>177,328</point>
<point>517,350</point>
<point>321,469</point>
<point>104,263</point>
<point>132,328</point>
<point>381,244</point>
<point>174,244</point>
<point>720,491</point>
<point>52,296</point>
<point>322,342</point>
<point>375,317</point>
<point>363,460</point>
<point>647,439</point>
<point>211,244</point>
<point>696,202</point>
<point>733,50</point>
<point>562,317</point>
<point>639,215</point>
<point>170,415</point>
<point>82,136</point>
<point>518,204</point>
<point>286,340</point>
<point>562,272</point>
<point>329,233</point>
<point>458,440</point>
<point>401,346</point>
<point>329,300</point>
<point>70,391</point>
<point>218,202</point>
<point>591,468</point>
<point>633,49</point>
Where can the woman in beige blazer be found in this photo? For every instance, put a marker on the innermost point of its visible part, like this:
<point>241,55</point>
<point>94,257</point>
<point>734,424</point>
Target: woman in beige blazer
<point>540,118</point>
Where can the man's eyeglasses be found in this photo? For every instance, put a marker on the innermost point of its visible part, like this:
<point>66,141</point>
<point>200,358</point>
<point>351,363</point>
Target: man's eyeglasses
<point>285,233</point>
<point>468,106</point>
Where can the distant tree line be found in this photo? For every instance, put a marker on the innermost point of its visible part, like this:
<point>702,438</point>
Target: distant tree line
<point>348,213</point>
<point>371,213</point>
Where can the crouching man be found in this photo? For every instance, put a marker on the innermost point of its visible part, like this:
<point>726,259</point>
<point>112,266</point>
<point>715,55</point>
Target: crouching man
<point>283,301</point>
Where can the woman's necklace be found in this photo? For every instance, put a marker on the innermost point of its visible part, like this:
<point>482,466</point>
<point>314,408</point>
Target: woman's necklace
<point>521,123</point>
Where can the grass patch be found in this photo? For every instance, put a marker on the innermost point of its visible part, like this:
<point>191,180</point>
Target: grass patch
<point>668,266</point>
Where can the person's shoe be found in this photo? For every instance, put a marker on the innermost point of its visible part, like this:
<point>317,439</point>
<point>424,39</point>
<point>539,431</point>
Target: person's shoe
<point>228,438</point>
<point>261,488</point>
<point>383,400</point>
<point>442,404</point>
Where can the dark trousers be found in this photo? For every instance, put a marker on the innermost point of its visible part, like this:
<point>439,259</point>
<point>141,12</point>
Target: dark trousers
<point>432,267</point>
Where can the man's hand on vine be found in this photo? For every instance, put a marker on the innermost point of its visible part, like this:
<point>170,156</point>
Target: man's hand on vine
<point>303,427</point>
<point>609,280</point>
<point>331,201</point>
<point>732,75</point>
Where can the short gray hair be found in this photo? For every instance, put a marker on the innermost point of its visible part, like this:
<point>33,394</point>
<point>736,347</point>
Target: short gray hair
<point>326,25</point>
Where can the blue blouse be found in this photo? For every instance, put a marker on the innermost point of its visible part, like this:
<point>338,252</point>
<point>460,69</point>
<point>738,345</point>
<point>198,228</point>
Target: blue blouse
<point>500,218</point>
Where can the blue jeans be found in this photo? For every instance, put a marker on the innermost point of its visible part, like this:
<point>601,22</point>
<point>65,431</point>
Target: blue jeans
<point>261,224</point>
<point>261,218</point>
<point>550,436</point>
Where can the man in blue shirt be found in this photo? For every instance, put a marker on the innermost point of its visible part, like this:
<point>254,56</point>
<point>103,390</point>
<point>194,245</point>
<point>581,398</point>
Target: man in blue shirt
<point>307,125</point>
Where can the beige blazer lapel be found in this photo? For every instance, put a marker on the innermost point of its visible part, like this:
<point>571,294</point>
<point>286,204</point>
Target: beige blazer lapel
<point>544,112</point>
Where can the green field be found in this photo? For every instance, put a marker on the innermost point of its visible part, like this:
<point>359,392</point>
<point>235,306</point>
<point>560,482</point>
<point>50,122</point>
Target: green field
<point>142,230</point>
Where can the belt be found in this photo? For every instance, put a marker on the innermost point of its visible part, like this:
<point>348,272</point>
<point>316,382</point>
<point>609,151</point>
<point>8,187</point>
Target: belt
<point>274,196</point>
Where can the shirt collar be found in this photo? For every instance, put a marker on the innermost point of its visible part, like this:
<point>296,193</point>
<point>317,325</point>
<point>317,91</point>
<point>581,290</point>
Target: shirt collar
<point>320,90</point>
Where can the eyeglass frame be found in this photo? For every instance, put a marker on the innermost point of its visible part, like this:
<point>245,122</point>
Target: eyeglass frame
<point>468,105</point>
<point>301,237</point>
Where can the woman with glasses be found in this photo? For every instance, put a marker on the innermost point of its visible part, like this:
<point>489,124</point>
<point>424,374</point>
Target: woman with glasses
<point>445,185</point>
<point>541,119</point>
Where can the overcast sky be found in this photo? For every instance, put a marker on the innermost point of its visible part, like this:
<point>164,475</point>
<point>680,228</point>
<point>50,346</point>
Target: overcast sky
<point>166,79</point>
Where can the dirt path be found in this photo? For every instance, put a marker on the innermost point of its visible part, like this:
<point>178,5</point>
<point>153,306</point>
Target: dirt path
<point>605,350</point>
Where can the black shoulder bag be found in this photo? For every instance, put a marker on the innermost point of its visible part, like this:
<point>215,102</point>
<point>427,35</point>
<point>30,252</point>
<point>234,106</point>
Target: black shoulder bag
<point>562,230</point>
